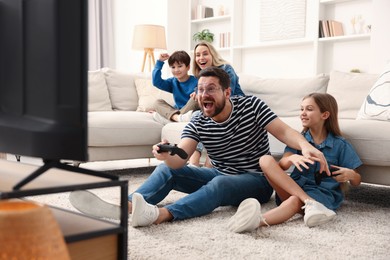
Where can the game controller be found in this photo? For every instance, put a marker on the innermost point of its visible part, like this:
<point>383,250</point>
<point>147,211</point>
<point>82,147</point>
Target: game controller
<point>319,176</point>
<point>172,149</point>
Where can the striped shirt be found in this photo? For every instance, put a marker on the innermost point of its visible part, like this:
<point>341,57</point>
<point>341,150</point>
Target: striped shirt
<point>235,146</point>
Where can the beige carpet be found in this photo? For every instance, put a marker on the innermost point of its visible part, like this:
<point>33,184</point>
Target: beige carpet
<point>361,231</point>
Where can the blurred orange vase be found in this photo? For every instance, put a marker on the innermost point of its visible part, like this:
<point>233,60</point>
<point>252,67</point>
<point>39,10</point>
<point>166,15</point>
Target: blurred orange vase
<point>29,230</point>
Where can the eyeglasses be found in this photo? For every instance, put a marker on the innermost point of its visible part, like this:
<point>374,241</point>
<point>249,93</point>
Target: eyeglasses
<point>210,90</point>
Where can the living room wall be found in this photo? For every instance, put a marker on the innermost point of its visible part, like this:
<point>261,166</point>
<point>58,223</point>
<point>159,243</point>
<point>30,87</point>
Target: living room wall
<point>168,12</point>
<point>127,14</point>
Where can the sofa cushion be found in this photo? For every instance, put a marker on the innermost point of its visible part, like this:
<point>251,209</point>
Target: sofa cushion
<point>377,103</point>
<point>350,89</point>
<point>370,138</point>
<point>148,94</point>
<point>98,97</point>
<point>122,90</point>
<point>172,132</point>
<point>283,96</point>
<point>122,128</point>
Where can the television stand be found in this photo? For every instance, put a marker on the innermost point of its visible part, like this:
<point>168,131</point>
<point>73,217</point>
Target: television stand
<point>86,237</point>
<point>48,164</point>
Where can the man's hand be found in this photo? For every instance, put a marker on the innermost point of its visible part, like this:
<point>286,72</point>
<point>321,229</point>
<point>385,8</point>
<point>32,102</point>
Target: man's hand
<point>157,155</point>
<point>300,161</point>
<point>311,153</point>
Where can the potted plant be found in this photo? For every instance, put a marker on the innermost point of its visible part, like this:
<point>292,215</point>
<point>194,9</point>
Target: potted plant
<point>204,35</point>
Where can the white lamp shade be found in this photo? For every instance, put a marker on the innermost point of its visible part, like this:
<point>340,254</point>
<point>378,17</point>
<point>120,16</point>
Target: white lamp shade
<point>149,36</point>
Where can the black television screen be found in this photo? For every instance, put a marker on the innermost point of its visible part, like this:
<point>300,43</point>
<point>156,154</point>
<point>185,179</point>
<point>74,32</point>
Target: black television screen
<point>43,78</point>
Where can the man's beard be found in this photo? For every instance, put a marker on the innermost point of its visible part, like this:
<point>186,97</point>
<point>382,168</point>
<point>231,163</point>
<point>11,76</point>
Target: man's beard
<point>218,109</point>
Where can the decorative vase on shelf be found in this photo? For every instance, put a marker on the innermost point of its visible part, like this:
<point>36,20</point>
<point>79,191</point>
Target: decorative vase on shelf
<point>358,24</point>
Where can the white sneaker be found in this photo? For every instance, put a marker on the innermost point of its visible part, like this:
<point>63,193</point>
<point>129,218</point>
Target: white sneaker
<point>143,213</point>
<point>186,117</point>
<point>316,213</point>
<point>159,118</point>
<point>90,204</point>
<point>247,217</point>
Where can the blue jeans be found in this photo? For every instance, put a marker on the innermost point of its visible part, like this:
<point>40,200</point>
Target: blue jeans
<point>207,189</point>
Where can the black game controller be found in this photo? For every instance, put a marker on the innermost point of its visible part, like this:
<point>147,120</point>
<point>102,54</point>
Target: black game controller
<point>319,176</point>
<point>172,149</point>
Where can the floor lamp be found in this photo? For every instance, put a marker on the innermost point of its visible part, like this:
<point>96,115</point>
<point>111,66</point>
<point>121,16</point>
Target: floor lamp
<point>148,37</point>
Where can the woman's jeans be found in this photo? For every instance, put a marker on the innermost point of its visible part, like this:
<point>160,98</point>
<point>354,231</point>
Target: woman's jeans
<point>207,189</point>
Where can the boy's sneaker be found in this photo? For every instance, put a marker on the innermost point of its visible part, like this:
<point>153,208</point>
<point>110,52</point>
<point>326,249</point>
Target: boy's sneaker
<point>247,217</point>
<point>159,118</point>
<point>90,204</point>
<point>143,213</point>
<point>186,117</point>
<point>316,213</point>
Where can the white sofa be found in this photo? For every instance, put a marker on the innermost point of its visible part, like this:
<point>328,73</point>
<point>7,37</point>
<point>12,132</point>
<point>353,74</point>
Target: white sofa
<point>118,131</point>
<point>117,126</point>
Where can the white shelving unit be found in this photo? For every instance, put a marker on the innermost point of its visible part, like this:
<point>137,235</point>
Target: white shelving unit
<point>294,57</point>
<point>221,22</point>
<point>351,51</point>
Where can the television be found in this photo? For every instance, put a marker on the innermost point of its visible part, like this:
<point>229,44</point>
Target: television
<point>43,80</point>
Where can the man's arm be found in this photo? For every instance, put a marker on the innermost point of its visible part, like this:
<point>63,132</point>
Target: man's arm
<point>294,139</point>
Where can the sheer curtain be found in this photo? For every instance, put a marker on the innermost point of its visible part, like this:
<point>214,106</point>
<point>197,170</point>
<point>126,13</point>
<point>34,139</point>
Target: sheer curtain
<point>101,46</point>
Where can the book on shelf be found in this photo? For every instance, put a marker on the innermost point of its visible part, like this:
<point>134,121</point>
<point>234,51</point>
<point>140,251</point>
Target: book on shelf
<point>204,12</point>
<point>336,28</point>
<point>330,28</point>
<point>325,28</point>
<point>224,40</point>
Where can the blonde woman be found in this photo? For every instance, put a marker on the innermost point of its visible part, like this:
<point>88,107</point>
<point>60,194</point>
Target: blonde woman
<point>205,55</point>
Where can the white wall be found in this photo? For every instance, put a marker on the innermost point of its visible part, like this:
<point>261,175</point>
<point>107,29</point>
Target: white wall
<point>380,35</point>
<point>129,13</point>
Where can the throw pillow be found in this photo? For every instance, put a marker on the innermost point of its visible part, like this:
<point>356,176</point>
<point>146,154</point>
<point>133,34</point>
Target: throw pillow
<point>350,89</point>
<point>98,98</point>
<point>377,103</point>
<point>148,94</point>
<point>122,90</point>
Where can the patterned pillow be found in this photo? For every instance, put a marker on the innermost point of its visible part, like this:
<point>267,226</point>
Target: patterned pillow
<point>377,103</point>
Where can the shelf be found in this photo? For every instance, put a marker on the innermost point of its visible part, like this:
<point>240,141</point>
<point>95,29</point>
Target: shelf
<point>87,237</point>
<point>345,38</point>
<point>279,43</point>
<point>12,172</point>
<point>331,2</point>
<point>211,19</point>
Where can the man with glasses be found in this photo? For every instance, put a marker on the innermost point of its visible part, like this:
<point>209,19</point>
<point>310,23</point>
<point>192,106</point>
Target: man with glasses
<point>233,129</point>
<point>234,132</point>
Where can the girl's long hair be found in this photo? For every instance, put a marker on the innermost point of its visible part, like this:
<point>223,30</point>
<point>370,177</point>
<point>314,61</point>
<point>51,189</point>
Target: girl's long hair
<point>217,60</point>
<point>327,102</point>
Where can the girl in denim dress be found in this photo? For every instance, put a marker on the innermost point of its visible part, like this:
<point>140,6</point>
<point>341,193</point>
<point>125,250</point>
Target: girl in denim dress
<point>307,191</point>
